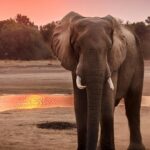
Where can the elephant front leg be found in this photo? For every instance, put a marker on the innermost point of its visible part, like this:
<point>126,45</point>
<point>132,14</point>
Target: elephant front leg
<point>132,104</point>
<point>107,122</point>
<point>106,141</point>
<point>80,105</point>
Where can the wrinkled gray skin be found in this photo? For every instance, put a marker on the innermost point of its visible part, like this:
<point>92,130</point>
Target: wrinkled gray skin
<point>95,49</point>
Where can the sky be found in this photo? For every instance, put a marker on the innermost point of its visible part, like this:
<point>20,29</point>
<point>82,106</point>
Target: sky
<point>45,11</point>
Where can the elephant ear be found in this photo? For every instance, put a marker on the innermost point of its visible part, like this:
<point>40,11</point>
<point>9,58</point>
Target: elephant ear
<point>117,53</point>
<point>61,42</point>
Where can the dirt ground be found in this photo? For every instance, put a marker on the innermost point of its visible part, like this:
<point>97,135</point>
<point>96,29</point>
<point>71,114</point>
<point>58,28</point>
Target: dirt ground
<point>18,128</point>
<point>20,77</point>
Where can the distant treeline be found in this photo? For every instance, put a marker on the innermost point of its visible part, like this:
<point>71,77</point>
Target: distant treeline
<point>142,29</point>
<point>21,39</point>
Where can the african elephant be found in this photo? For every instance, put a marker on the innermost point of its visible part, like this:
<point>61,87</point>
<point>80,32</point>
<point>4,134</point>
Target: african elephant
<point>107,65</point>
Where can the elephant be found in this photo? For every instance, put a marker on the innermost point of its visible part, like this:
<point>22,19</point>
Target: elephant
<point>106,63</point>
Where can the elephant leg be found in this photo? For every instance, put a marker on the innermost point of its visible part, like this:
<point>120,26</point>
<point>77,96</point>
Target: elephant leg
<point>80,105</point>
<point>106,141</point>
<point>132,105</point>
<point>107,120</point>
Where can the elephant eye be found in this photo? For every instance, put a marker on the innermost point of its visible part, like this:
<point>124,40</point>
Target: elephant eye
<point>76,50</point>
<point>109,46</point>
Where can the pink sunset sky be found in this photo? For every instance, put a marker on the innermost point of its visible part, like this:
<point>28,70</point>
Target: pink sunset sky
<point>45,11</point>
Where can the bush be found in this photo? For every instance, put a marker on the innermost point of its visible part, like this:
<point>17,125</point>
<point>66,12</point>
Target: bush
<point>19,41</point>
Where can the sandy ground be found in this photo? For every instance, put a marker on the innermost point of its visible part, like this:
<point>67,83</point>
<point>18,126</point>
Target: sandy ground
<point>19,77</point>
<point>18,128</point>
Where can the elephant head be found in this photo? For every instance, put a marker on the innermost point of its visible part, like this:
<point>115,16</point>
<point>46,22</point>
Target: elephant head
<point>92,48</point>
<point>67,42</point>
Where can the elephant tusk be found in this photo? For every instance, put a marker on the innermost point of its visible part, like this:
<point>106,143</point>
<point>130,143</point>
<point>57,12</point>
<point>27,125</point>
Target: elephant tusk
<point>110,83</point>
<point>78,82</point>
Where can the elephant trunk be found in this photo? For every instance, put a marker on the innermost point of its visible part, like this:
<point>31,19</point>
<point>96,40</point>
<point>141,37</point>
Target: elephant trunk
<point>92,73</point>
<point>94,88</point>
<point>94,94</point>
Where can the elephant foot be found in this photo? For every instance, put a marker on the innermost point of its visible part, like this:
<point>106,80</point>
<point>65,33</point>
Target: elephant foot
<point>136,146</point>
<point>105,148</point>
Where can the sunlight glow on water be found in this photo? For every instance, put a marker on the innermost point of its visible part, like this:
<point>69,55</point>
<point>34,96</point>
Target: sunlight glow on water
<point>9,102</point>
<point>31,101</point>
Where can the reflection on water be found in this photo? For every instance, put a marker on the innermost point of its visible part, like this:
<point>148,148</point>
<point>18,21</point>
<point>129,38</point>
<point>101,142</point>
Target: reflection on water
<point>31,101</point>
